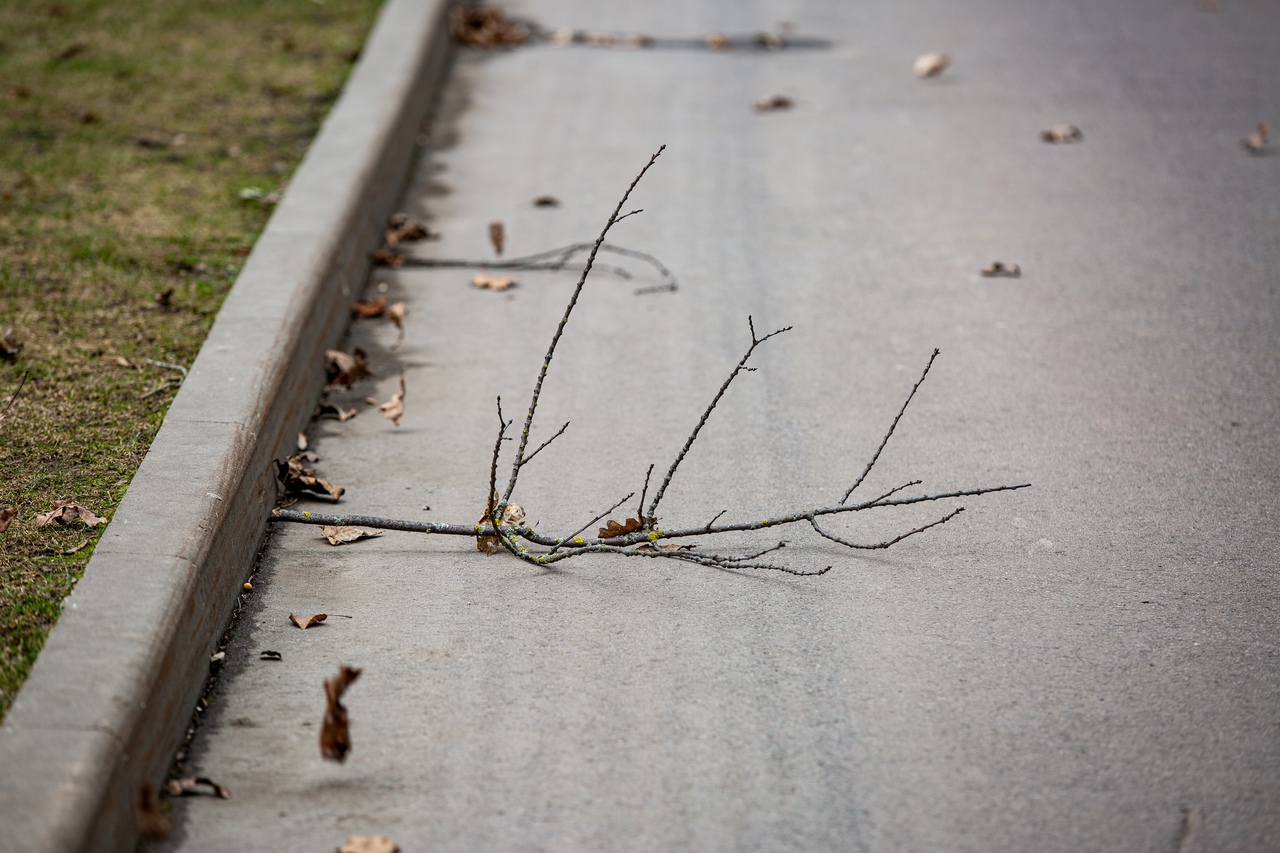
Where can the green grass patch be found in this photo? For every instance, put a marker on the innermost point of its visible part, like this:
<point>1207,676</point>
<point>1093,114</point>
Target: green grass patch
<point>128,130</point>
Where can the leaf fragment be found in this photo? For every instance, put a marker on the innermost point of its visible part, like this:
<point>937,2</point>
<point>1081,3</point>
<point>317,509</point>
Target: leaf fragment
<point>305,622</point>
<point>492,282</point>
<point>192,786</point>
<point>773,103</point>
<point>66,512</point>
<point>1255,142</point>
<point>7,515</point>
<point>341,535</point>
<point>346,369</point>
<point>335,734</point>
<point>613,528</point>
<point>498,237</point>
<point>369,844</point>
<point>1061,133</point>
<point>931,65</point>
<point>153,825</point>
<point>297,479</point>
<point>393,409</point>
<point>368,309</point>
<point>1000,269</point>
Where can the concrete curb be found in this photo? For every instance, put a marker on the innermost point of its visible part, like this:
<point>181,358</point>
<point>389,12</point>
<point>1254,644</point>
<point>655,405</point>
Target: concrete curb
<point>110,696</point>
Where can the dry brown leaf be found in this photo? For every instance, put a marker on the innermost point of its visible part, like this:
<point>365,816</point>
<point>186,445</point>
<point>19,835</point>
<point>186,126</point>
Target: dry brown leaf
<point>770,103</point>
<point>546,201</point>
<point>498,237</point>
<point>297,479</point>
<point>999,269</point>
<point>305,622</point>
<point>1255,142</point>
<point>9,345</point>
<point>369,844</point>
<point>329,410</point>
<point>196,786</point>
<point>931,65</point>
<point>1062,133</point>
<point>396,314</point>
<point>375,307</point>
<point>7,515</point>
<point>393,409</point>
<point>346,533</point>
<point>513,514</point>
<point>66,512</point>
<point>492,282</point>
<point>485,26</point>
<point>335,734</point>
<point>346,369</point>
<point>404,228</point>
<point>613,528</point>
<point>153,825</point>
<point>385,257</point>
<point>718,41</point>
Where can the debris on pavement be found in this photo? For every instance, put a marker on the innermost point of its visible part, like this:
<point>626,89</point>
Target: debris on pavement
<point>931,65</point>
<point>999,269</point>
<point>1060,133</point>
<point>342,534</point>
<point>396,314</point>
<point>369,844</point>
<point>393,409</point>
<point>269,654</point>
<point>298,479</point>
<point>486,26</point>
<point>1255,142</point>
<point>772,103</point>
<point>546,201</point>
<point>492,282</point>
<point>613,528</point>
<point>346,369</point>
<point>305,622</point>
<point>193,786</point>
<point>403,228</point>
<point>368,309</point>
<point>335,734</point>
<point>513,514</point>
<point>498,237</point>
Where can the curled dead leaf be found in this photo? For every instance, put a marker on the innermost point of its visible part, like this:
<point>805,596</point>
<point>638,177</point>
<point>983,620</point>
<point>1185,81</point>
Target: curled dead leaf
<point>396,314</point>
<point>485,26</point>
<point>393,409</point>
<point>771,103</point>
<point>613,528</point>
<point>1255,142</point>
<point>498,237</point>
<point>329,410</point>
<point>492,282</point>
<point>346,369</point>
<point>305,622</point>
<point>298,479</point>
<point>7,515</point>
<point>367,309</point>
<point>369,844</point>
<point>346,533</point>
<point>193,786</point>
<point>335,734</point>
<point>153,825</point>
<point>931,65</point>
<point>1060,133</point>
<point>999,269</point>
<point>66,512</point>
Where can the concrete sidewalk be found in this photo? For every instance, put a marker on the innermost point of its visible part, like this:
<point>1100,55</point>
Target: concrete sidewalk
<point>1091,664</point>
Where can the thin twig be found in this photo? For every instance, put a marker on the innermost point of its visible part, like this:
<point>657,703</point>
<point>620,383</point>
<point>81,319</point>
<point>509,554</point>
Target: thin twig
<point>552,260</point>
<point>177,367</point>
<point>650,514</point>
<point>568,540</point>
<point>643,492</point>
<point>559,433</point>
<point>21,385</point>
<point>892,427</point>
<point>555,339</point>
<point>879,545</point>
<point>714,520</point>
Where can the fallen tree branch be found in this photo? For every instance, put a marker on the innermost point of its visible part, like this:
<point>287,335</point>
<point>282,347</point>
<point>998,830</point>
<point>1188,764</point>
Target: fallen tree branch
<point>501,523</point>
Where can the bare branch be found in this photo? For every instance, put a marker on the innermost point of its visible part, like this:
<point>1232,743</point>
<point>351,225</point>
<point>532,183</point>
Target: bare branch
<point>892,427</point>
<point>755,342</point>
<point>879,545</point>
<point>568,540</point>
<point>555,339</point>
<point>559,433</point>
<point>714,520</point>
<point>643,492</point>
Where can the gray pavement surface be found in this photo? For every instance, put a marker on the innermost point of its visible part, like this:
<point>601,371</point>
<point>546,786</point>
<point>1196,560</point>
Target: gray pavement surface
<point>1091,664</point>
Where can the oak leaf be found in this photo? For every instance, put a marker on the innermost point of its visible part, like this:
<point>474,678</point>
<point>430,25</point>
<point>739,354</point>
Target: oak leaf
<point>335,734</point>
<point>346,369</point>
<point>297,479</point>
<point>341,535</point>
<point>613,528</point>
<point>498,237</point>
<point>375,307</point>
<point>66,512</point>
<point>492,282</point>
<point>305,622</point>
<point>393,409</point>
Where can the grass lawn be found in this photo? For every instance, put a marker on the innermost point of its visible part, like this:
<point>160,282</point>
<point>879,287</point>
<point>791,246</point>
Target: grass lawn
<point>140,143</point>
